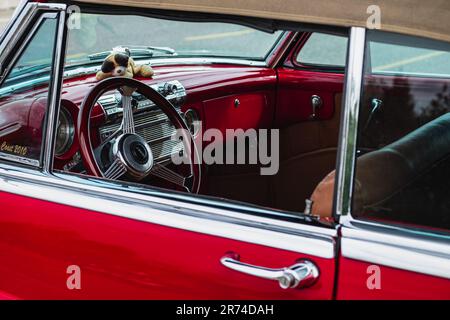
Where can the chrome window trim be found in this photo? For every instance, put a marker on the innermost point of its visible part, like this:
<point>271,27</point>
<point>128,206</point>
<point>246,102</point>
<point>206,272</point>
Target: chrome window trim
<point>20,47</point>
<point>273,56</point>
<point>349,121</point>
<point>395,247</point>
<point>16,30</point>
<point>109,197</point>
<point>17,12</point>
<point>19,26</point>
<point>30,11</point>
<point>55,92</point>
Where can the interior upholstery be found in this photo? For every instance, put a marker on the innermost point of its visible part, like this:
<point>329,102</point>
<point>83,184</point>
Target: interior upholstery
<point>381,174</point>
<point>307,153</point>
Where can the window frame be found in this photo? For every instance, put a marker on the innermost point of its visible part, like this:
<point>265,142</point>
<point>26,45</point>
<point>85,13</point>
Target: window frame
<point>25,35</point>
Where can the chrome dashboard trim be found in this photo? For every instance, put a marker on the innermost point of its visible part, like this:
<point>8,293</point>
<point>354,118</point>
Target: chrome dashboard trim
<point>396,247</point>
<point>133,202</point>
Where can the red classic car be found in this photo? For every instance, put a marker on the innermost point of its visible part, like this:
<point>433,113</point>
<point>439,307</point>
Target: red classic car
<point>193,149</point>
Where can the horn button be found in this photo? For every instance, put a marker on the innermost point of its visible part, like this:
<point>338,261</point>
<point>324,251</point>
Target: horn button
<point>139,152</point>
<point>135,153</point>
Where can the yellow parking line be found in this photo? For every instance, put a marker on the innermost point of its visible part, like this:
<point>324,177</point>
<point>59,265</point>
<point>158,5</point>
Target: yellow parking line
<point>219,35</point>
<point>410,60</point>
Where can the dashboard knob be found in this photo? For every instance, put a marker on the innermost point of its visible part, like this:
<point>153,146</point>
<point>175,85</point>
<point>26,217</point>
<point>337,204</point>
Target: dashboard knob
<point>169,88</point>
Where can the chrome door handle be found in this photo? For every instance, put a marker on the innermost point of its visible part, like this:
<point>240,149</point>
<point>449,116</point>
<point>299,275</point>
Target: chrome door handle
<point>300,275</point>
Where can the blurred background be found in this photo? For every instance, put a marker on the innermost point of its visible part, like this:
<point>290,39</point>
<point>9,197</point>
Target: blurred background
<point>6,10</point>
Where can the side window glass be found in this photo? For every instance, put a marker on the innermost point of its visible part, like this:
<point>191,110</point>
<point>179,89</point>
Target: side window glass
<point>403,165</point>
<point>396,55</point>
<point>323,50</point>
<point>24,97</point>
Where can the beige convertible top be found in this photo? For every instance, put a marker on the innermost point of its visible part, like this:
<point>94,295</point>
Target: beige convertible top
<point>429,19</point>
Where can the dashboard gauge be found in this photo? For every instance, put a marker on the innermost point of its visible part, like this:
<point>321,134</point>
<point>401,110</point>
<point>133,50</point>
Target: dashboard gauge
<point>65,132</point>
<point>192,121</point>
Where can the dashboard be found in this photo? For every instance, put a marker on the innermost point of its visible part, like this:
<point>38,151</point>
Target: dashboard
<point>220,96</point>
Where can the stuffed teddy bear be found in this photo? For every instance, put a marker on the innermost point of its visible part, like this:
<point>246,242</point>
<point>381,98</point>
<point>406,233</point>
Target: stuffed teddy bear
<point>120,64</point>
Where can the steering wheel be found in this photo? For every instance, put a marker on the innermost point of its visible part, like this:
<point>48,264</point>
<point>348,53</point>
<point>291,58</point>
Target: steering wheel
<point>127,154</point>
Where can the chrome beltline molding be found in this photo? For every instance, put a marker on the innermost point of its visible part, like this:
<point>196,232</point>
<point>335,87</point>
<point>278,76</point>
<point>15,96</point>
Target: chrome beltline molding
<point>131,203</point>
<point>396,247</point>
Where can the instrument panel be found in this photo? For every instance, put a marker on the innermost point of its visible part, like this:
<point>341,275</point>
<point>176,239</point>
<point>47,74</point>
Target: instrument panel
<point>150,122</point>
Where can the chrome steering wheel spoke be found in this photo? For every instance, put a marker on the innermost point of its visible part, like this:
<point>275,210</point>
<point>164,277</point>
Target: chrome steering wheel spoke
<point>115,170</point>
<point>127,118</point>
<point>169,175</point>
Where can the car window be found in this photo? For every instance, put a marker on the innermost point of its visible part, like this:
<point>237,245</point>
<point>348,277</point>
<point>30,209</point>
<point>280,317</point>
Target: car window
<point>24,96</point>
<point>164,38</point>
<point>401,56</point>
<point>323,50</point>
<point>403,165</point>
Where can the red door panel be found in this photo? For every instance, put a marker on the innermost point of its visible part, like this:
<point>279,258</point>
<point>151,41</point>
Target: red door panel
<point>394,284</point>
<point>241,111</point>
<point>296,87</point>
<point>124,258</point>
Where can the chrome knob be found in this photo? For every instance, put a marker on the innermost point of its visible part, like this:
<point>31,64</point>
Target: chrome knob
<point>316,103</point>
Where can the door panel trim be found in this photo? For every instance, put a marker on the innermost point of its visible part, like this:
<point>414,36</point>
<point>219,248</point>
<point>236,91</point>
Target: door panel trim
<point>398,248</point>
<point>137,203</point>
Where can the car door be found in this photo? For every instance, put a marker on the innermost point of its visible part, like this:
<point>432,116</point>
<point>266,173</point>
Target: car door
<point>395,227</point>
<point>72,237</point>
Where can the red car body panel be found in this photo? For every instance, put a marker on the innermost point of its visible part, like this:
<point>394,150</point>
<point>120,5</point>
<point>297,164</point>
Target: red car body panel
<point>123,258</point>
<point>394,283</point>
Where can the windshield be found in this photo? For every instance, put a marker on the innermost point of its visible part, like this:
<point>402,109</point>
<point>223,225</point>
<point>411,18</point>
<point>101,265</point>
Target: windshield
<point>101,33</point>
